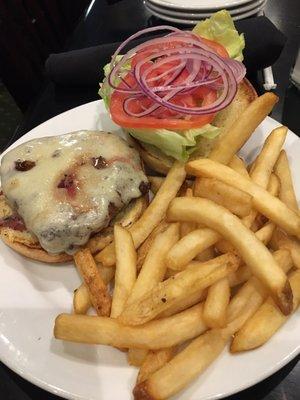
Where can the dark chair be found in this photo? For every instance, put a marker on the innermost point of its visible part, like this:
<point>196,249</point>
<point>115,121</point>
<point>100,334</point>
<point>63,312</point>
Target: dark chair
<point>29,31</point>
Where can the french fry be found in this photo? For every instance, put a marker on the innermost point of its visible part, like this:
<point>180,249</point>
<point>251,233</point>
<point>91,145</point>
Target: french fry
<point>197,277</point>
<point>224,246</point>
<point>238,134</point>
<point>97,289</point>
<point>154,361</point>
<point>241,298</point>
<point>283,172</point>
<point>136,357</point>
<point>238,165</point>
<point>206,254</point>
<point>215,306</point>
<point>155,182</point>
<point>237,201</point>
<point>128,216</point>
<point>265,322</point>
<point>189,247</point>
<point>264,234</point>
<point>125,274</point>
<point>144,248</point>
<point>81,299</point>
<point>266,204</point>
<point>154,267</point>
<point>97,243</point>
<point>262,168</point>
<point>182,368</point>
<point>268,156</point>
<point>155,335</point>
<point>239,276</point>
<point>251,249</point>
<point>181,305</point>
<point>152,216</point>
<point>281,241</point>
<point>249,309</point>
<point>187,227</point>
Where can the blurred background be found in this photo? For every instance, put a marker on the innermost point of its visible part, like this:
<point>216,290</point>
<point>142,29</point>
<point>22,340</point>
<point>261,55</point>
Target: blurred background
<point>30,30</point>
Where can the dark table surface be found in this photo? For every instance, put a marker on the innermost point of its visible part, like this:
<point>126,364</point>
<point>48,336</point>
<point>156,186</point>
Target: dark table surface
<point>111,21</point>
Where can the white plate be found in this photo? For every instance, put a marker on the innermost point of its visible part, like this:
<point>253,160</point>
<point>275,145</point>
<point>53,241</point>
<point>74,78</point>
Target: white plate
<point>200,15</point>
<point>33,294</point>
<point>183,21</point>
<point>200,4</point>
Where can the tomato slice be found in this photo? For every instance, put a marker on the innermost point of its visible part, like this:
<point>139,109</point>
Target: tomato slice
<point>216,47</point>
<point>164,118</point>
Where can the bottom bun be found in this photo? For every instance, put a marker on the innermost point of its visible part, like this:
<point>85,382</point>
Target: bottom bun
<point>161,163</point>
<point>26,244</point>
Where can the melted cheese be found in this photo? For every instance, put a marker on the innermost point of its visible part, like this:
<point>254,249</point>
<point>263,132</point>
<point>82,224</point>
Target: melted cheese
<point>63,198</point>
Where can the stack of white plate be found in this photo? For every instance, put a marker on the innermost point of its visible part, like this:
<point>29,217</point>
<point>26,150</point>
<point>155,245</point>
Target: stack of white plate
<point>189,12</point>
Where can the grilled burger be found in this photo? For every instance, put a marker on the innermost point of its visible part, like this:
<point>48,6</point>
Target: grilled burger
<point>58,192</point>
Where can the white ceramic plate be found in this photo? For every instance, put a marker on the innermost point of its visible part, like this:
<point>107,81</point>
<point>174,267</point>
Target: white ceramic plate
<point>33,294</point>
<point>183,21</point>
<point>200,4</point>
<point>198,15</point>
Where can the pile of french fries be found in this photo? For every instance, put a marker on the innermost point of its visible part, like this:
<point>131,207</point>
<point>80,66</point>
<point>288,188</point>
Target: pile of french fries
<point>210,262</point>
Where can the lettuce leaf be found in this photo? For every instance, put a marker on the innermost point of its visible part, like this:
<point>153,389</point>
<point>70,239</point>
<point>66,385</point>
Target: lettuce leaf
<point>178,145</point>
<point>220,28</point>
<point>105,90</point>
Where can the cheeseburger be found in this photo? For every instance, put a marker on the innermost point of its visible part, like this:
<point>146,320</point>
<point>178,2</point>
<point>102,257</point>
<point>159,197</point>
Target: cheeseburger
<point>57,192</point>
<point>178,93</point>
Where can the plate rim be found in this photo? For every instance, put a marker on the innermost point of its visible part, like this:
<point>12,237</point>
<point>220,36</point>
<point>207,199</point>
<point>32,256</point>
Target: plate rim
<point>41,383</point>
<point>204,14</point>
<point>184,7</point>
<point>175,20</point>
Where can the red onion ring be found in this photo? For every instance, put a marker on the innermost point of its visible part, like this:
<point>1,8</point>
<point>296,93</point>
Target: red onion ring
<point>193,55</point>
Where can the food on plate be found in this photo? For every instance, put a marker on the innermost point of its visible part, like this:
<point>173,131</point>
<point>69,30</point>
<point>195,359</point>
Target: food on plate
<point>125,273</point>
<point>182,368</point>
<point>188,301</point>
<point>213,258</point>
<point>152,216</point>
<point>154,267</point>
<point>155,335</point>
<point>250,248</point>
<point>264,202</point>
<point>179,93</point>
<point>136,357</point>
<point>187,248</point>
<point>287,192</point>
<point>58,191</point>
<point>266,321</point>
<point>97,289</point>
<point>237,201</point>
<point>81,299</point>
<point>164,295</point>
<point>187,227</point>
<point>216,303</point>
<point>154,361</point>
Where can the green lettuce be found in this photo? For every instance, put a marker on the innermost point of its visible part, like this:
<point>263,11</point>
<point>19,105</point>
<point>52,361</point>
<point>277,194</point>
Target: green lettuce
<point>220,28</point>
<point>178,145</point>
<point>105,90</point>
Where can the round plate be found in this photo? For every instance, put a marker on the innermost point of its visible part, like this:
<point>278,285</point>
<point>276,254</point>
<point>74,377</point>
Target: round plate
<point>200,4</point>
<point>33,294</point>
<point>199,15</point>
<point>183,21</point>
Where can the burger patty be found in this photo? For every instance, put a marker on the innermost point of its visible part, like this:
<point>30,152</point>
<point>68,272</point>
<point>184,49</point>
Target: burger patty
<point>67,187</point>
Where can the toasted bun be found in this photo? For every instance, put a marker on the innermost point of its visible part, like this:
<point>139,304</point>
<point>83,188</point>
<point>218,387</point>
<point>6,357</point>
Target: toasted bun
<point>159,162</point>
<point>26,244</point>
